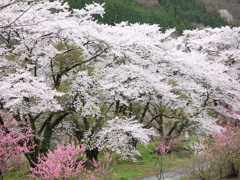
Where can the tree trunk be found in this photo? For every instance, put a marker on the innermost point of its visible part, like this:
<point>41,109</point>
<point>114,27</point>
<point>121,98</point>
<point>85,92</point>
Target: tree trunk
<point>172,129</point>
<point>32,159</point>
<point>117,107</point>
<point>92,154</point>
<point>234,171</point>
<point>91,157</point>
<point>86,124</point>
<point>130,110</point>
<point>160,123</point>
<point>48,132</point>
<point>1,175</point>
<point>46,139</point>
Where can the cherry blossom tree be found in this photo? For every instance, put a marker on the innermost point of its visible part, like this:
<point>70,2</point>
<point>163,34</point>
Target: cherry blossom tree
<point>221,46</point>
<point>180,80</point>
<point>120,136</point>
<point>36,40</point>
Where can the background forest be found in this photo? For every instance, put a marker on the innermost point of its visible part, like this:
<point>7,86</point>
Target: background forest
<point>180,14</point>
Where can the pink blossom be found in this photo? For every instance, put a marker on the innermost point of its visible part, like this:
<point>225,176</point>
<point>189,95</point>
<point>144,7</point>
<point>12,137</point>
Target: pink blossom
<point>163,149</point>
<point>226,141</point>
<point>62,163</point>
<point>13,143</point>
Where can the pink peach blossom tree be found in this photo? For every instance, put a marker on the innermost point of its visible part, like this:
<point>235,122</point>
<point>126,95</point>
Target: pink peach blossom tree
<point>13,144</point>
<point>62,163</point>
<point>163,150</point>
<point>225,146</point>
<point>65,162</point>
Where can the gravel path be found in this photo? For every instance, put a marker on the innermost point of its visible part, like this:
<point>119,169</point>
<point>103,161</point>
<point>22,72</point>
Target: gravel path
<point>168,176</point>
<point>177,175</point>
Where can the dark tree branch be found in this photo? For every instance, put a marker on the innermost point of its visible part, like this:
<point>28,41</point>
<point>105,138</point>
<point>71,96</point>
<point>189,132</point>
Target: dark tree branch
<point>45,123</point>
<point>24,12</point>
<point>144,112</point>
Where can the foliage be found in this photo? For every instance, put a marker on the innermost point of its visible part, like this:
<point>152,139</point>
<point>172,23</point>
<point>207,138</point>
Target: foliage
<point>196,144</point>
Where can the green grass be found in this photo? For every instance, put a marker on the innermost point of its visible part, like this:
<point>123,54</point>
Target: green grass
<point>20,171</point>
<point>145,166</point>
<point>16,175</point>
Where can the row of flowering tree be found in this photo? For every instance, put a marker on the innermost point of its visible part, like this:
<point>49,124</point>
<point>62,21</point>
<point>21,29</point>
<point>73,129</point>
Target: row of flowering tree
<point>68,75</point>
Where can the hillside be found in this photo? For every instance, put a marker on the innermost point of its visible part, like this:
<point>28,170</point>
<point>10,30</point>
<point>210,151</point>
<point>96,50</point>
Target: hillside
<point>232,6</point>
<point>180,14</point>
